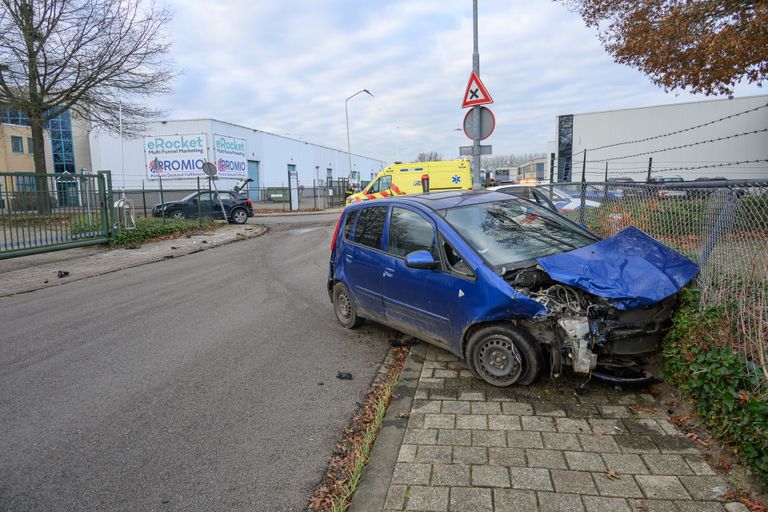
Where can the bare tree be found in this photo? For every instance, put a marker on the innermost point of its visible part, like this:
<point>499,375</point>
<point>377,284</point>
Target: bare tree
<point>511,160</point>
<point>93,57</point>
<point>431,156</point>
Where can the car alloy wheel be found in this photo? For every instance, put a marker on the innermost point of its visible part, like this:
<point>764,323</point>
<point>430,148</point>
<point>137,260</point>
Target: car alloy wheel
<point>178,214</point>
<point>239,216</point>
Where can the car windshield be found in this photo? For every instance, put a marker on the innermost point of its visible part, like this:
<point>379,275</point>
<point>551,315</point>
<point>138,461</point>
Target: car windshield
<point>510,232</point>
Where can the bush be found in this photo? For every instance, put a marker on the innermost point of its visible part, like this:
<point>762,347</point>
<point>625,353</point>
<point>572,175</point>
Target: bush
<point>715,378</point>
<point>146,229</point>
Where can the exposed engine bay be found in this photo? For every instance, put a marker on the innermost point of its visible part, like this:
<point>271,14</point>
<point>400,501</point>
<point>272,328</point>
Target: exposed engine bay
<point>585,332</point>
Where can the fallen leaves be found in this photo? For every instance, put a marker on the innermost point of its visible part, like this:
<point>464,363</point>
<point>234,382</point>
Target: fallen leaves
<point>330,492</point>
<point>612,475</point>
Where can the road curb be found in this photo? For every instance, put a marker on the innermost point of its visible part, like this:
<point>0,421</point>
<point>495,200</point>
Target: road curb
<point>160,257</point>
<point>296,214</point>
<point>372,492</point>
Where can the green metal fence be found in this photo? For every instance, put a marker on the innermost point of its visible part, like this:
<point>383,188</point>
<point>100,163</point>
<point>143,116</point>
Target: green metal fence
<point>48,212</point>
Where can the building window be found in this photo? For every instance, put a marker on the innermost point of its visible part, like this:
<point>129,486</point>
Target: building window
<point>30,146</point>
<point>329,174</point>
<point>17,144</point>
<point>60,129</point>
<point>25,183</point>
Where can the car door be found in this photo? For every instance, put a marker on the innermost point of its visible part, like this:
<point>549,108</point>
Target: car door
<point>415,300</point>
<point>365,260</point>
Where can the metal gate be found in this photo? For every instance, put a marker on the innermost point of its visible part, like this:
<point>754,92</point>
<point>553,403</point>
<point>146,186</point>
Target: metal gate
<point>48,212</point>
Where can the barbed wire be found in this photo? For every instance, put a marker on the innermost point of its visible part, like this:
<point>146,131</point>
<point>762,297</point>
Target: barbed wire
<point>681,146</point>
<point>668,134</point>
<point>711,166</point>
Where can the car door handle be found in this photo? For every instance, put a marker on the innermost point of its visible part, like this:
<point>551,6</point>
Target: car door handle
<point>348,257</point>
<point>389,272</point>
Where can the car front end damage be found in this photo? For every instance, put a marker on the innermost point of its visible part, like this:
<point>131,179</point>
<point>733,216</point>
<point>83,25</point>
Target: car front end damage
<point>607,305</point>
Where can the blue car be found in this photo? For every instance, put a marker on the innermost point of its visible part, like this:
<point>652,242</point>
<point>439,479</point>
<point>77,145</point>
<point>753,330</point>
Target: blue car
<point>507,285</point>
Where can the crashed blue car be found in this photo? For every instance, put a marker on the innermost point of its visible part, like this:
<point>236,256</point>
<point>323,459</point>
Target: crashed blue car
<point>509,286</point>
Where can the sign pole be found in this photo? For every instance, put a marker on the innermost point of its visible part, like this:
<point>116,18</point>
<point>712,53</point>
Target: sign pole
<point>476,183</point>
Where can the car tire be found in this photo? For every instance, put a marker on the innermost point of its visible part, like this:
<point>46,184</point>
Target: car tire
<point>177,214</point>
<point>238,216</point>
<point>344,307</point>
<point>503,355</point>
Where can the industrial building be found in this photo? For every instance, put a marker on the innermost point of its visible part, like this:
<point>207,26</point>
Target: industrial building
<point>176,151</point>
<point>725,137</point>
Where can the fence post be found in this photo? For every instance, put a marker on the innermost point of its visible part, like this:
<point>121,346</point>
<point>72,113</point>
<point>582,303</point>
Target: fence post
<point>199,207</point>
<point>650,166</point>
<point>111,202</point>
<point>551,173</point>
<point>721,224</point>
<point>605,186</point>
<point>583,186</point>
<point>144,198</point>
<point>162,199</point>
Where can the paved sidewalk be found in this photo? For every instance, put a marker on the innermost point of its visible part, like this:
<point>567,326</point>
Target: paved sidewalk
<point>28,273</point>
<point>472,447</point>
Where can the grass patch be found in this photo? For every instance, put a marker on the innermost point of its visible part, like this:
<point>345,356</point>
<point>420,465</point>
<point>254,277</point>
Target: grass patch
<point>345,469</point>
<point>147,229</point>
<point>714,377</point>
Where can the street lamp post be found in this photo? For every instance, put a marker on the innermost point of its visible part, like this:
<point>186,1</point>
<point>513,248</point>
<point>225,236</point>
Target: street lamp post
<point>346,113</point>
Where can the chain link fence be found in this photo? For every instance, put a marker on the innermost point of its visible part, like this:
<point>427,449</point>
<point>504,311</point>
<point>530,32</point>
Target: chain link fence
<point>721,226</point>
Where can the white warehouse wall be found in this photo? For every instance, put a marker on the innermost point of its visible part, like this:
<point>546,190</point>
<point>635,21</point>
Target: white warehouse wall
<point>593,130</point>
<point>272,152</point>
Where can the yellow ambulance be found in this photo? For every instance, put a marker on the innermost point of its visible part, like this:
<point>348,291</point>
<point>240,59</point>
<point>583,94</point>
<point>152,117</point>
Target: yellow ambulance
<point>417,178</point>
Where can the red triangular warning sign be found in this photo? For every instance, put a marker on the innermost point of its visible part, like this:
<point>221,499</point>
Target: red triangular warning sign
<point>476,93</point>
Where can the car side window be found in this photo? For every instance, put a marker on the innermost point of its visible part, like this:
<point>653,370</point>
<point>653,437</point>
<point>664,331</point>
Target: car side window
<point>349,221</point>
<point>370,226</point>
<point>408,232</point>
<point>454,260</point>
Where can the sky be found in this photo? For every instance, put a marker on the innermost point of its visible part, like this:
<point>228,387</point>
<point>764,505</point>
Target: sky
<point>287,67</point>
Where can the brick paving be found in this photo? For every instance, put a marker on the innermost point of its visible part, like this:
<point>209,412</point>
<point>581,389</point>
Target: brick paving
<point>28,273</point>
<point>470,447</point>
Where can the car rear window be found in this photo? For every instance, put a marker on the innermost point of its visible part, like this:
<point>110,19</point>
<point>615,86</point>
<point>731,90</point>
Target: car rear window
<point>349,221</point>
<point>370,226</point>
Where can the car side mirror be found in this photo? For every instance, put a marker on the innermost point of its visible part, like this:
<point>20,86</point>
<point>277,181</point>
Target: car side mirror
<point>420,259</point>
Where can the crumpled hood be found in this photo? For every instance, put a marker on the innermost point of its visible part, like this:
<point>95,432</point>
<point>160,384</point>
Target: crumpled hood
<point>631,268</point>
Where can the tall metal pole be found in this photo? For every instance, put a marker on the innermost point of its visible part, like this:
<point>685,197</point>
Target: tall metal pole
<point>476,183</point>
<point>346,114</point>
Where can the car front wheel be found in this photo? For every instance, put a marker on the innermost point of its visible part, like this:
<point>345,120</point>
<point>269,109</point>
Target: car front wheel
<point>239,216</point>
<point>344,307</point>
<point>503,355</point>
<point>178,214</point>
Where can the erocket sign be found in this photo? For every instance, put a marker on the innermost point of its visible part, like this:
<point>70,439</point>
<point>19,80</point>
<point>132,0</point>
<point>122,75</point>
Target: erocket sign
<point>230,157</point>
<point>175,156</point>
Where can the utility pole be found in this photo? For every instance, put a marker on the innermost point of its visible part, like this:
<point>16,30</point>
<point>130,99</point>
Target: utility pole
<point>476,183</point>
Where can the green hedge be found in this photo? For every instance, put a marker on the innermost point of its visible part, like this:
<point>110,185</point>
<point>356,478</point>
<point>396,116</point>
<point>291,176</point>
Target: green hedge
<point>146,229</point>
<point>714,378</point>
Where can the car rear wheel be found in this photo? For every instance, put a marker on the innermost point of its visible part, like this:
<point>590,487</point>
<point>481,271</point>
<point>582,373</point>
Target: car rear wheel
<point>503,355</point>
<point>344,307</point>
<point>178,214</point>
<point>239,216</point>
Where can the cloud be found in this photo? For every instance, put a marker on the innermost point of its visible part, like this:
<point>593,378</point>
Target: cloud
<point>287,67</point>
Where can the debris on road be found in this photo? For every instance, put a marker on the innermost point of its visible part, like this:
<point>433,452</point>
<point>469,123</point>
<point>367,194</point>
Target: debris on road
<point>63,273</point>
<point>344,376</point>
<point>405,341</point>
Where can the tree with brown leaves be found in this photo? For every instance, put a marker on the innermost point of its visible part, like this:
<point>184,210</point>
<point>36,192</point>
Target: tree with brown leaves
<point>705,46</point>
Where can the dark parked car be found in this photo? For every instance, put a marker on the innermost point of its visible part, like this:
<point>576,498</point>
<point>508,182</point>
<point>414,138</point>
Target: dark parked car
<point>237,207</point>
<point>505,284</point>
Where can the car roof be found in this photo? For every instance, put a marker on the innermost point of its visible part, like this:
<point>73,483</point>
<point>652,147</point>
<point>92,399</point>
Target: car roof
<point>453,198</point>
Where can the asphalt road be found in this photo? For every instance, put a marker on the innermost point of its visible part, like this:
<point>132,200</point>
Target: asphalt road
<point>190,384</point>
